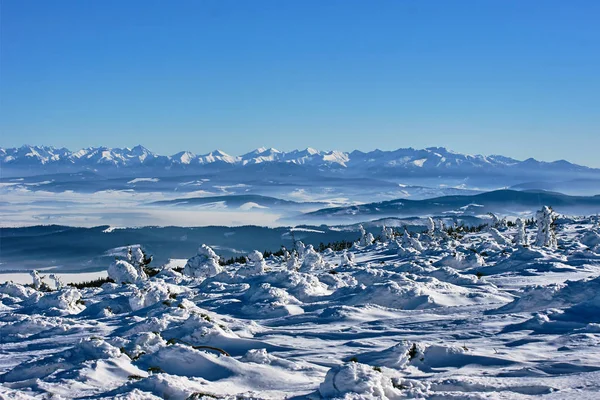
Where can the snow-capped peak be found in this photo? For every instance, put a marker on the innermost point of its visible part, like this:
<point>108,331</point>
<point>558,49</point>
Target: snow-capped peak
<point>434,159</point>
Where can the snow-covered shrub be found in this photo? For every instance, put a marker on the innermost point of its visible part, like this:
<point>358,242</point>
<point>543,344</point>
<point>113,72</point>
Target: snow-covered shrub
<point>150,294</point>
<point>498,237</point>
<point>15,290</point>
<point>121,271</point>
<point>255,265</point>
<point>67,300</point>
<point>546,237</point>
<point>270,301</point>
<point>203,265</point>
<point>355,380</point>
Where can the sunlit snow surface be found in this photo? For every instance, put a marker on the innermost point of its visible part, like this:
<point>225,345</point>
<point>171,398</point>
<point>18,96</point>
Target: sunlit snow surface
<point>392,322</point>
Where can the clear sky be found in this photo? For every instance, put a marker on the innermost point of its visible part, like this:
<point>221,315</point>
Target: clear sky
<point>518,78</point>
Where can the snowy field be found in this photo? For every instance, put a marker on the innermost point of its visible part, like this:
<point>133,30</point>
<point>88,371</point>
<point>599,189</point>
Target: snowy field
<point>505,312</point>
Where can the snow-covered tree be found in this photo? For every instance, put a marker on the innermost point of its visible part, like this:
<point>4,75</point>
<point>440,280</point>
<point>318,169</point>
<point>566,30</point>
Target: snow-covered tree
<point>137,258</point>
<point>366,238</point>
<point>441,225</point>
<point>37,279</point>
<point>546,237</point>
<point>57,281</point>
<point>312,260</point>
<point>521,236</point>
<point>347,258</point>
<point>498,237</point>
<point>300,248</point>
<point>122,271</point>
<point>409,242</point>
<point>292,261</point>
<point>495,220</point>
<point>430,226</point>
<point>255,264</point>
<point>386,234</point>
<point>204,264</point>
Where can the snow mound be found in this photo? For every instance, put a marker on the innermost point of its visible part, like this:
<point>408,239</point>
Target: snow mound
<point>357,381</point>
<point>558,295</point>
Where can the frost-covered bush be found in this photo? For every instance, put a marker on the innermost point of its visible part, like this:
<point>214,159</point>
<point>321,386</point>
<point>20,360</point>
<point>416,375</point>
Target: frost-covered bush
<point>204,264</point>
<point>121,271</point>
<point>546,237</point>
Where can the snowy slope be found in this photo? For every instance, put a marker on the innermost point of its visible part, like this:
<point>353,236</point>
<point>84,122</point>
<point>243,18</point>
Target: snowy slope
<point>471,316</point>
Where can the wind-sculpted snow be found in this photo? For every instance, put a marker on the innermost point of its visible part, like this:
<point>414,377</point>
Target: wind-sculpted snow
<point>432,314</point>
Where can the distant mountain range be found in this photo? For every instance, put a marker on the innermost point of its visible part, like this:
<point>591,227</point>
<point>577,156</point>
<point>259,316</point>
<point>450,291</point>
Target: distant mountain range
<point>425,162</point>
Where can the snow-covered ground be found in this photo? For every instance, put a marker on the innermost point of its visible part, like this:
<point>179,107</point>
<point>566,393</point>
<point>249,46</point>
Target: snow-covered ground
<point>482,315</point>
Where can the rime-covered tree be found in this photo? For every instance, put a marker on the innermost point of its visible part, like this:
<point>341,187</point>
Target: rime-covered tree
<point>312,260</point>
<point>37,279</point>
<point>204,264</point>
<point>255,264</point>
<point>409,242</point>
<point>366,238</point>
<point>57,281</point>
<point>292,261</point>
<point>347,258</point>
<point>521,236</point>
<point>387,234</point>
<point>546,237</point>
<point>430,226</point>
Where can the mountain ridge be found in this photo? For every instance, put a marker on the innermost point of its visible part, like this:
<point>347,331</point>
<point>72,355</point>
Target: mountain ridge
<point>431,158</point>
<point>505,202</point>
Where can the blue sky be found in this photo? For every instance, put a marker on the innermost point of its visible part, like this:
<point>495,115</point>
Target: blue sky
<point>519,78</point>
